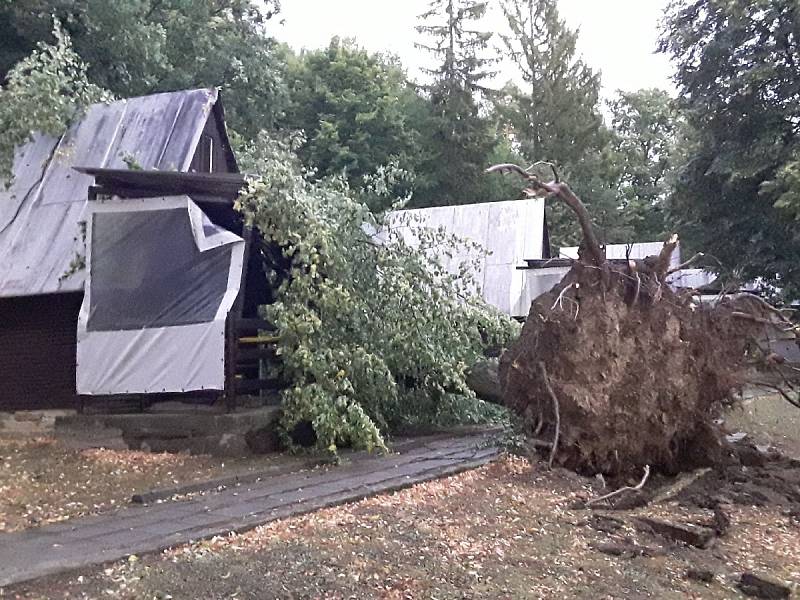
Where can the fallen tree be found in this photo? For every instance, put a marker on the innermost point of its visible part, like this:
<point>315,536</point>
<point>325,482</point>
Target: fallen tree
<point>614,371</point>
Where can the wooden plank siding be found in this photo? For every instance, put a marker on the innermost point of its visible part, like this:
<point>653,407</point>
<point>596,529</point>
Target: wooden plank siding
<point>37,351</point>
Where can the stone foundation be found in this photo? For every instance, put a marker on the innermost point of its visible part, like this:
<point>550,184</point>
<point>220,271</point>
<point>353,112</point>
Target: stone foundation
<point>172,427</point>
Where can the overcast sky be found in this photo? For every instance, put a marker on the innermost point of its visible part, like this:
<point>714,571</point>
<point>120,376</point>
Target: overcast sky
<point>617,37</point>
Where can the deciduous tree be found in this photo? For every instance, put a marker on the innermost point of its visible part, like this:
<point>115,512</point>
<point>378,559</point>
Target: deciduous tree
<point>353,109</point>
<point>137,47</point>
<point>648,136</point>
<point>738,67</point>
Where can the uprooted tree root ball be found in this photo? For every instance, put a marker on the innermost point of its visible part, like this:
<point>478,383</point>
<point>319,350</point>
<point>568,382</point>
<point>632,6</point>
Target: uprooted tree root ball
<point>615,371</point>
<point>636,383</point>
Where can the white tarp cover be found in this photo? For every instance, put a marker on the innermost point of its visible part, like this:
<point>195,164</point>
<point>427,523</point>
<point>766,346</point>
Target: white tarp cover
<point>636,251</point>
<point>541,280</point>
<point>509,232</point>
<point>161,279</point>
<point>47,199</point>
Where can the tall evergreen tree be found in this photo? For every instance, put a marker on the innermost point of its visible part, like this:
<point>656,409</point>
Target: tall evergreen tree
<point>553,115</point>
<point>459,137</point>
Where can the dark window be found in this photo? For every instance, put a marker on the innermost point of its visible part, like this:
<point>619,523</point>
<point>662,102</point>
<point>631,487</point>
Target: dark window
<point>205,154</point>
<point>146,271</point>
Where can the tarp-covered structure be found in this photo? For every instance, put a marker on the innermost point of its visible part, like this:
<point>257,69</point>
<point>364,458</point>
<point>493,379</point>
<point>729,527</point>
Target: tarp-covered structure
<point>161,280</point>
<point>159,273</point>
<point>40,214</point>
<point>508,233</point>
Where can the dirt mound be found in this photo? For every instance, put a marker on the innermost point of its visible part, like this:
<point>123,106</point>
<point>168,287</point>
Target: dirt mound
<point>767,481</point>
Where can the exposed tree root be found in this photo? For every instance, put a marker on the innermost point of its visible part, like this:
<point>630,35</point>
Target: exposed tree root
<point>637,371</point>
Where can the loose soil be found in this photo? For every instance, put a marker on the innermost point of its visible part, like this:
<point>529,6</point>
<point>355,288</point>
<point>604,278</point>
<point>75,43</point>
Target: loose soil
<point>627,371</point>
<point>43,482</point>
<point>508,530</point>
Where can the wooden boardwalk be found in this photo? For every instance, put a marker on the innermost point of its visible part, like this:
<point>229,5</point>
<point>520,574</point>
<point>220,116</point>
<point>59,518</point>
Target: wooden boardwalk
<point>93,540</point>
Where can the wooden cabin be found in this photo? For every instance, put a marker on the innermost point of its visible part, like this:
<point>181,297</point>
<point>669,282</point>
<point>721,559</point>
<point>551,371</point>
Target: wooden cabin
<point>124,270</point>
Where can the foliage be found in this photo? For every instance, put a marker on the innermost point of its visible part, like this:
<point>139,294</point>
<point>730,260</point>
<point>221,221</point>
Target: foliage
<point>374,332</point>
<point>351,106</point>
<point>458,139</point>
<point>555,116</point>
<point>137,47</point>
<point>43,93</point>
<point>648,135</point>
<point>738,65</point>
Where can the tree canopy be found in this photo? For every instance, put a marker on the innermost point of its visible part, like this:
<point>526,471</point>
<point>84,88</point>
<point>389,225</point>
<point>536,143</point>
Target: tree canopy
<point>554,114</point>
<point>43,93</point>
<point>138,47</point>
<point>458,138</point>
<point>649,135</point>
<point>353,109</point>
<point>374,332</point>
<point>738,67</point>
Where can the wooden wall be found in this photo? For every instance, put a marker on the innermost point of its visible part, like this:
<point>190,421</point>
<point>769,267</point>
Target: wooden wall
<point>37,351</point>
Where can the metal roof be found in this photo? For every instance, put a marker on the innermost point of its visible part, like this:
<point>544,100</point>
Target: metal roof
<point>40,213</point>
<point>508,232</point>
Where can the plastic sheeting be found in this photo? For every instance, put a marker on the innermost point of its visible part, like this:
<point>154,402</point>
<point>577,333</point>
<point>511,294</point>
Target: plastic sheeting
<point>161,279</point>
<point>508,232</point>
<point>636,251</point>
<point>40,212</point>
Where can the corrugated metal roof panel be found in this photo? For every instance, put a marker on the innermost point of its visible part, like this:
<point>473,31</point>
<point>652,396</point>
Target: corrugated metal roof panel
<point>40,213</point>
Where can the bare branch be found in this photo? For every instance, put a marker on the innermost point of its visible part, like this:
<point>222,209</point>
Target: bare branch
<point>686,263</point>
<point>665,256</point>
<point>544,163</point>
<point>563,191</point>
<point>766,305</point>
<point>748,317</point>
<point>627,488</point>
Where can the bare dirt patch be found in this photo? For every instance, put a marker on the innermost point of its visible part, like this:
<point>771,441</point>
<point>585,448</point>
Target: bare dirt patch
<point>503,531</point>
<point>43,482</point>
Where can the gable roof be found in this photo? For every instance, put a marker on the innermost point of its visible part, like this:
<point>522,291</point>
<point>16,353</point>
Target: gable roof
<point>40,213</point>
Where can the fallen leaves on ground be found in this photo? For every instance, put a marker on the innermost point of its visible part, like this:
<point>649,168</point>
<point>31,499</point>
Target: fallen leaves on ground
<point>44,482</point>
<point>502,531</point>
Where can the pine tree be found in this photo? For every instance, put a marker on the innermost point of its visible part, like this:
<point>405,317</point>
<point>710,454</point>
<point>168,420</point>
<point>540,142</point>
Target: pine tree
<point>555,115</point>
<point>459,138</point>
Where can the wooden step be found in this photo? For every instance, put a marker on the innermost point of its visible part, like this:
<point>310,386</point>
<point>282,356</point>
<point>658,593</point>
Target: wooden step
<point>259,339</point>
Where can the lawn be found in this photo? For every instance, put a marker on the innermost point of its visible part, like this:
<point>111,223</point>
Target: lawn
<point>507,530</point>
